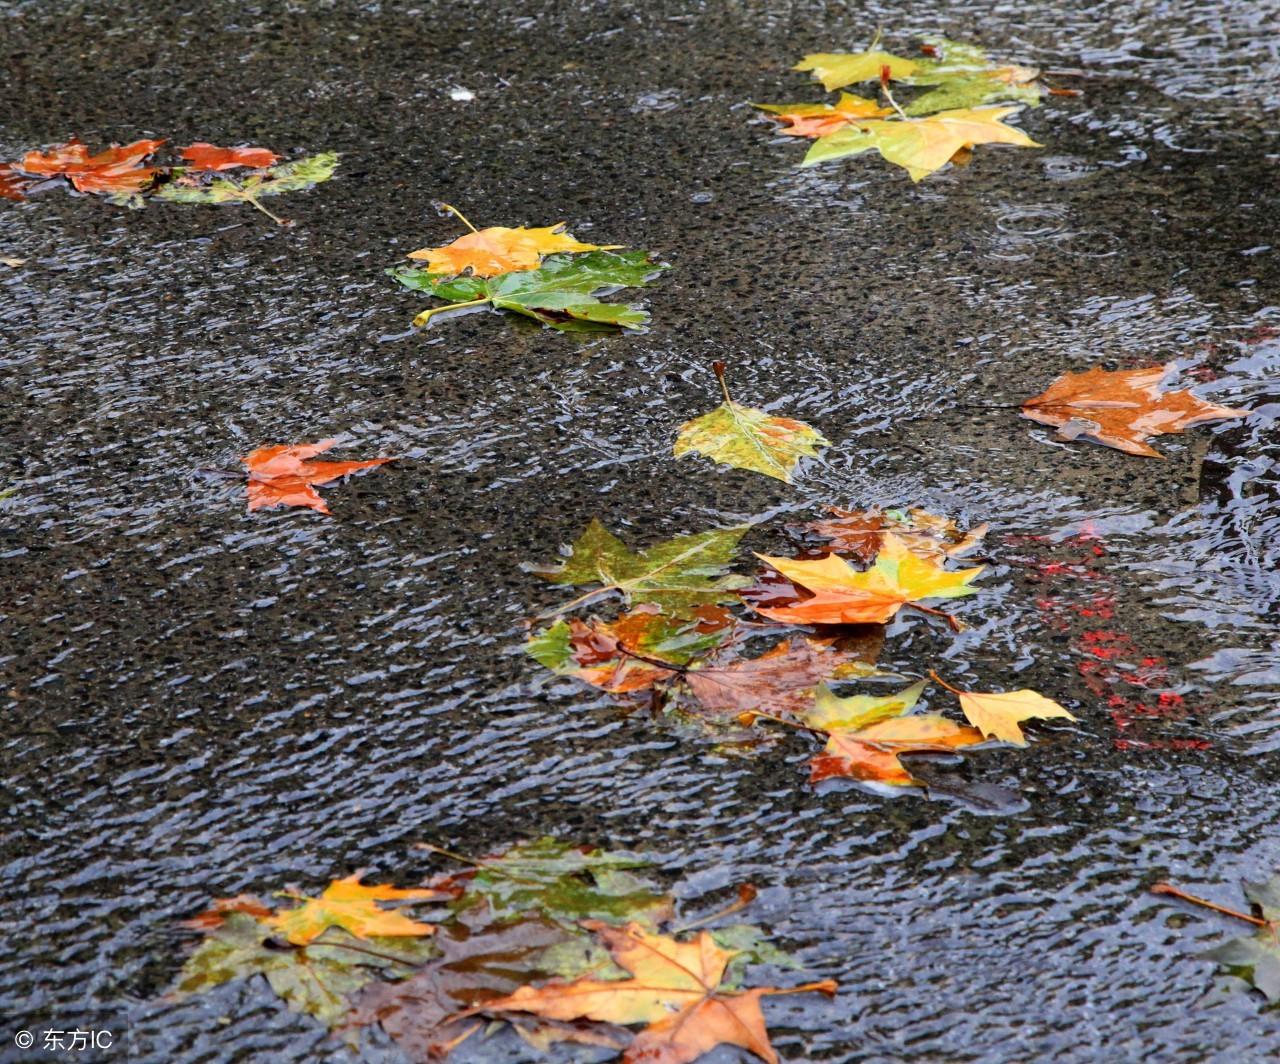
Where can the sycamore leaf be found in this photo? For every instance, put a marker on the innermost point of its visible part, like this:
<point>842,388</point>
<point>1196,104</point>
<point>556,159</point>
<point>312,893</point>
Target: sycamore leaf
<point>680,574</point>
<point>831,713</point>
<point>1121,408</point>
<point>972,91</point>
<point>193,185</point>
<point>746,438</point>
<point>921,145</point>
<point>562,293</point>
<point>997,714</point>
<point>1256,958</point>
<point>564,883</point>
<point>837,69</point>
<point>844,595</point>
<point>205,156</point>
<point>675,989</point>
<point>780,682</point>
<point>871,753</point>
<point>498,250</point>
<point>819,119</point>
<point>859,533</point>
<point>349,904</point>
<point>317,980</point>
<point>281,475</point>
<point>610,655</point>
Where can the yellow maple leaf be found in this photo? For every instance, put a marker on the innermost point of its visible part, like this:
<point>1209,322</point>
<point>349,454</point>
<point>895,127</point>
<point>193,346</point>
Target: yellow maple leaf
<point>921,145</point>
<point>837,69</point>
<point>997,713</point>
<point>498,250</point>
<point>845,595</point>
<point>349,904</point>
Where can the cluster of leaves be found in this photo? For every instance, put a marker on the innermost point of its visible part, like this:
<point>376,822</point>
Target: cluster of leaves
<point>678,649</point>
<point>542,273</point>
<point>562,943</point>
<point>940,125</point>
<point>125,175</point>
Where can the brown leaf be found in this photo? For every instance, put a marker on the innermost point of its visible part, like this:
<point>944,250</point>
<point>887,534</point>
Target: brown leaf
<point>860,533</point>
<point>1121,408</point>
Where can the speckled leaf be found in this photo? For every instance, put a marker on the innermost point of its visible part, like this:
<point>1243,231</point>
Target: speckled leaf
<point>683,572</point>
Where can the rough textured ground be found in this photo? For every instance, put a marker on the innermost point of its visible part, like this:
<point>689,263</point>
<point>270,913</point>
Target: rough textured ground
<point>200,702</point>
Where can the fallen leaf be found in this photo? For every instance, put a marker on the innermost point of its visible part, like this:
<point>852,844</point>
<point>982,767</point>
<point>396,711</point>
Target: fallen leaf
<point>780,682</point>
<point>204,156</point>
<point>1256,958</point>
<point>116,172</point>
<point>349,904</point>
<point>13,184</point>
<point>13,263</point>
<point>1121,408</point>
<point>746,438</point>
<point>564,883</point>
<point>866,735</point>
<point>680,574</point>
<point>317,980</point>
<point>997,714</point>
<point>561,293</point>
<point>845,595</point>
<point>497,250</point>
<point>675,988</point>
<point>920,145</point>
<point>837,69</point>
<point>281,475</point>
<point>859,533</point>
<point>194,185</point>
<point>819,119</point>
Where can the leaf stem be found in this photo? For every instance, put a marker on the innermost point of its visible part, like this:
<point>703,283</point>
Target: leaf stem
<point>956,624</point>
<point>718,367</point>
<point>884,87</point>
<point>457,214</point>
<point>248,197</point>
<point>581,600</point>
<point>427,315</point>
<point>1170,889</point>
<point>746,895</point>
<point>939,679</point>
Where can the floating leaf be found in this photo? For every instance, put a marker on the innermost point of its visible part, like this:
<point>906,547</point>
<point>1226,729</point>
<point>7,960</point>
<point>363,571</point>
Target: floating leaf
<point>118,172</point>
<point>197,186</point>
<point>1256,959</point>
<point>280,475</point>
<point>746,438</point>
<point>844,595</point>
<point>1121,408</point>
<point>349,904</point>
<point>204,156</point>
<point>680,574</point>
<point>316,980</point>
<point>675,988</point>
<point>819,119</point>
<point>498,250</point>
<point>859,533</point>
<point>921,145</point>
<point>998,714</point>
<point>837,69</point>
<point>14,184</point>
<point>830,712</point>
<point>562,293</point>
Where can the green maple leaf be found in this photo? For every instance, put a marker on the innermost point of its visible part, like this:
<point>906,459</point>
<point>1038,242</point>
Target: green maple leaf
<point>317,979</point>
<point>272,181</point>
<point>567,883</point>
<point>747,438</point>
<point>562,293</point>
<point>1256,959</point>
<point>681,573</point>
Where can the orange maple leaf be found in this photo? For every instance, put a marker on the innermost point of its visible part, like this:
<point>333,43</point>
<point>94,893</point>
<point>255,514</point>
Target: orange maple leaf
<point>674,988</point>
<point>204,156</point>
<point>280,475</point>
<point>118,169</point>
<point>871,754</point>
<point>819,119</point>
<point>1121,408</point>
<point>349,904</point>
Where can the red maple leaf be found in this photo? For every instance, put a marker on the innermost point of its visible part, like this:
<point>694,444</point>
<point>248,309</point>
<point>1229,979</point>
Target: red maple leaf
<point>280,475</point>
<point>204,156</point>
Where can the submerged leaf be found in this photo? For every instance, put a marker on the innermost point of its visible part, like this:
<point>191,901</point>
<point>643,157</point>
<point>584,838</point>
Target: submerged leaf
<point>1121,408</point>
<point>1256,958</point>
<point>681,573</point>
<point>859,533</point>
<point>921,145</point>
<point>350,904</point>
